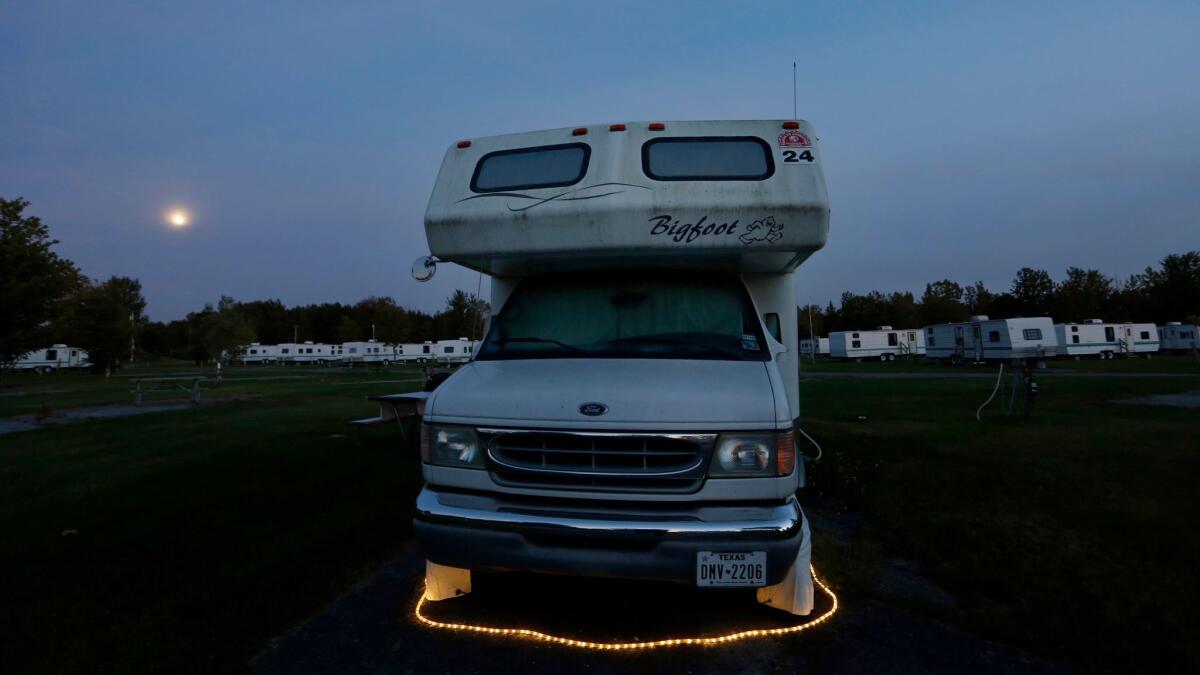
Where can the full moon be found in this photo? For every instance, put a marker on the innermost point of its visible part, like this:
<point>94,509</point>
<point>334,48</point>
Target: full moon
<point>178,218</point>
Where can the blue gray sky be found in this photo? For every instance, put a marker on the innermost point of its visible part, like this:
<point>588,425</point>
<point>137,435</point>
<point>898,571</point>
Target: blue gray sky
<point>960,140</point>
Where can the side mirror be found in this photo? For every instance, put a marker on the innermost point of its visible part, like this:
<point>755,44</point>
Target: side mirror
<point>424,267</point>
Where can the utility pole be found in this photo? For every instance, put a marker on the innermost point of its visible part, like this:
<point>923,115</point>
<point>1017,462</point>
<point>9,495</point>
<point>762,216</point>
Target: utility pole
<point>812,339</point>
<point>372,332</point>
<point>132,333</point>
<point>295,334</point>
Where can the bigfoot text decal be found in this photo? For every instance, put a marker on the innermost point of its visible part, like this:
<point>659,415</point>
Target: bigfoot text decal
<point>765,230</point>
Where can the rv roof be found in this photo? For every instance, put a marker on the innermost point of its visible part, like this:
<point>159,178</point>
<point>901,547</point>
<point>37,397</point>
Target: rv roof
<point>743,195</point>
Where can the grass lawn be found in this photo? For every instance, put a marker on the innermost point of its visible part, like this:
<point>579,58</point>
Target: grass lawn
<point>1071,533</point>
<point>201,534</point>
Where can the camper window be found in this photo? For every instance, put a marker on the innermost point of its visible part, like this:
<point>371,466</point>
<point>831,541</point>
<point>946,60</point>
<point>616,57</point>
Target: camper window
<point>855,344</point>
<point>51,354</point>
<point>1032,333</point>
<point>893,340</point>
<point>707,158</point>
<point>932,340</point>
<point>993,336</point>
<point>772,321</point>
<point>1145,335</point>
<point>1075,339</point>
<point>525,168</point>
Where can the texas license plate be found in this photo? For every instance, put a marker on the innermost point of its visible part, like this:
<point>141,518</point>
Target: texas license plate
<point>731,569</point>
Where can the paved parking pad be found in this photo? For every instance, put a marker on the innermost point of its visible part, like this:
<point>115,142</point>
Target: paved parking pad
<point>373,629</point>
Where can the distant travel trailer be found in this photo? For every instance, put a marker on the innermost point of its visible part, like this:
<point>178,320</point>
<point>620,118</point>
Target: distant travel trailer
<point>52,358</point>
<point>806,346</point>
<point>1106,340</point>
<point>454,351</point>
<point>258,353</point>
<point>637,392</point>
<point>369,351</point>
<point>885,343</point>
<point>984,339</point>
<point>1178,337</point>
<point>308,352</point>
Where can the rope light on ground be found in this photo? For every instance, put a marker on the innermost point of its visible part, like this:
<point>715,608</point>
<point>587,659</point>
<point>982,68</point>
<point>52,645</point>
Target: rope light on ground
<point>538,636</point>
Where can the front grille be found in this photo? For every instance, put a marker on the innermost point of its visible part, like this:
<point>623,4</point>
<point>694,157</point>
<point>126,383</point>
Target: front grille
<point>618,462</point>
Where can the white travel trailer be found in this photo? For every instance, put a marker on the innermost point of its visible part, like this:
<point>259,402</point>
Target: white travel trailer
<point>1105,340</point>
<point>52,358</point>
<point>369,351</point>
<point>415,351</point>
<point>885,343</point>
<point>454,351</point>
<point>308,352</point>
<point>984,339</point>
<point>1177,337</point>
<point>258,353</point>
<point>806,346</point>
<point>632,410</point>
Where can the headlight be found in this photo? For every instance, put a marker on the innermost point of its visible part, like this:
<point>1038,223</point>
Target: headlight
<point>754,454</point>
<point>446,445</point>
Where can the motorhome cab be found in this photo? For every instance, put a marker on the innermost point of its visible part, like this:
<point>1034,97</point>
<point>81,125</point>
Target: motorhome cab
<point>984,339</point>
<point>884,344</point>
<point>631,411</point>
<point>1105,340</point>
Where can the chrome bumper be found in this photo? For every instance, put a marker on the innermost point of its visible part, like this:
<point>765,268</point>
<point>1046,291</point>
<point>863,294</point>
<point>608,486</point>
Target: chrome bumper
<point>655,541</point>
<point>778,521</point>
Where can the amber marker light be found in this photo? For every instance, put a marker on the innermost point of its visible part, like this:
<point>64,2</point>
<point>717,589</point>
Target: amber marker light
<point>538,636</point>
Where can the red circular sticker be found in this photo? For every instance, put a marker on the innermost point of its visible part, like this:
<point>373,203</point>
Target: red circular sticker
<point>794,139</point>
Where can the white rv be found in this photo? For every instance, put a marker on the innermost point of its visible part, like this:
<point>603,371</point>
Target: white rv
<point>258,353</point>
<point>806,346</point>
<point>369,351</point>
<point>1177,337</point>
<point>632,409</point>
<point>1105,340</point>
<point>984,339</point>
<point>307,352</point>
<point>454,351</point>
<point>416,351</point>
<point>52,358</point>
<point>885,343</point>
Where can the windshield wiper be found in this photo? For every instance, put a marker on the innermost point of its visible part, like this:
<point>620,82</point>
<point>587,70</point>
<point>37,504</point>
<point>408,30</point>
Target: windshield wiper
<point>658,339</point>
<point>542,341</point>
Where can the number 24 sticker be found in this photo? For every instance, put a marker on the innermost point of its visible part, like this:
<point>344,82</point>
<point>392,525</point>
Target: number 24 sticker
<point>794,157</point>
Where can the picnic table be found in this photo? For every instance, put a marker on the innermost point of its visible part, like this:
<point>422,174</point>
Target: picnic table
<point>158,385</point>
<point>399,407</point>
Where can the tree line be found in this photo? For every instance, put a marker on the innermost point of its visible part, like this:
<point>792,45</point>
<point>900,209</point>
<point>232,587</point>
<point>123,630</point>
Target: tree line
<point>1170,292</point>
<point>45,299</point>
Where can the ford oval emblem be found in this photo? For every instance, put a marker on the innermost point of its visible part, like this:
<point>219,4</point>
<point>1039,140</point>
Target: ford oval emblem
<point>593,409</point>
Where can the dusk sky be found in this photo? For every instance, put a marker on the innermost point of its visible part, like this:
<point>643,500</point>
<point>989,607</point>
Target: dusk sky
<point>959,142</point>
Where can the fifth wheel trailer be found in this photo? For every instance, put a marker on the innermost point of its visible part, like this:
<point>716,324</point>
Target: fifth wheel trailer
<point>984,339</point>
<point>632,410</point>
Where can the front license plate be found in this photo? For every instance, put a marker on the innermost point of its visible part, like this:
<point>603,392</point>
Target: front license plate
<point>731,569</point>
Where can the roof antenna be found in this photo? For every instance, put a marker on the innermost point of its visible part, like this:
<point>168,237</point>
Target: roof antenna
<point>793,90</point>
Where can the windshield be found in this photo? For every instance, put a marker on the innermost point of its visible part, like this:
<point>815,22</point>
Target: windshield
<point>622,316</point>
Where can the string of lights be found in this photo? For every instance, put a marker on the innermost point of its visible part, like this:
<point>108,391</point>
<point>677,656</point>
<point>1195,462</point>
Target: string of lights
<point>538,636</point>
